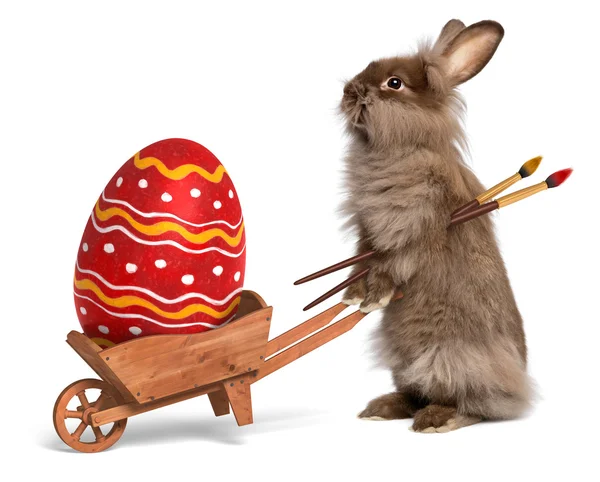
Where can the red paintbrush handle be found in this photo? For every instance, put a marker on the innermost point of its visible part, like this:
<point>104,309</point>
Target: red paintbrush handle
<point>474,213</point>
<point>467,207</point>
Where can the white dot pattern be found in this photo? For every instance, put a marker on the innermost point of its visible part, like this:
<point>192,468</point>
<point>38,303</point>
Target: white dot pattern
<point>85,247</point>
<point>160,263</point>
<point>218,270</point>
<point>83,311</point>
<point>237,275</point>
<point>143,183</point>
<point>109,248</point>
<point>166,197</point>
<point>119,182</point>
<point>217,204</point>
<point>103,329</point>
<point>131,268</point>
<point>187,279</point>
<point>134,330</point>
<point>195,192</point>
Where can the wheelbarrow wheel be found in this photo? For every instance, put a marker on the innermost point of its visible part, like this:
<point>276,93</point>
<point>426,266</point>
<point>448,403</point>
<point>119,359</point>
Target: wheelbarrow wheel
<point>100,440</point>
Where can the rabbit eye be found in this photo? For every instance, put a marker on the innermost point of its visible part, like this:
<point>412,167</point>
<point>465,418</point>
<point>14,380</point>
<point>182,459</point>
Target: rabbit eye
<point>394,83</point>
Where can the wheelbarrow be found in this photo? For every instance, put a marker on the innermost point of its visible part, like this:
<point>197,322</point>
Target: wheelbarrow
<point>155,371</point>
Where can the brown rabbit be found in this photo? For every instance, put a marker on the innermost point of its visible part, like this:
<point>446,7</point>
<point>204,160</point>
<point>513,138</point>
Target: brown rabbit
<point>455,342</point>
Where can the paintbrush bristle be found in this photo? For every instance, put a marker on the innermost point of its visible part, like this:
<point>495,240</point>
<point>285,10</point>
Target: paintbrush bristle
<point>558,177</point>
<point>530,166</point>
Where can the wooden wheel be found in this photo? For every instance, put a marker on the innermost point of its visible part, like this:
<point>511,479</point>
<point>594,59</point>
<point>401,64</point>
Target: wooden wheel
<point>109,397</point>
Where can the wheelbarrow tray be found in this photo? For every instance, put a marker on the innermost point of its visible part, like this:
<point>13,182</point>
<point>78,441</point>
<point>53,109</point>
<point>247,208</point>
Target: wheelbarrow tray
<point>158,366</point>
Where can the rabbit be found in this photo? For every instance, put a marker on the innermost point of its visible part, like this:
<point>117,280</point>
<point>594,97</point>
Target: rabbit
<point>455,343</point>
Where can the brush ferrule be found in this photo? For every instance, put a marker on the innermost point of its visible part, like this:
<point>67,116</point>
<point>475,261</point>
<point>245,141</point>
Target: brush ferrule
<point>522,194</point>
<point>498,188</point>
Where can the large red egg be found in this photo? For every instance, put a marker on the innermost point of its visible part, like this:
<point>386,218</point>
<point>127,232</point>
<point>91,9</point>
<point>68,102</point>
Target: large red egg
<point>164,250</point>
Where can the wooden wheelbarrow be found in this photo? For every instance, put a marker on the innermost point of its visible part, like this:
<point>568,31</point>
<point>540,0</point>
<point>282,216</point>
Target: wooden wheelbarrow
<point>151,372</point>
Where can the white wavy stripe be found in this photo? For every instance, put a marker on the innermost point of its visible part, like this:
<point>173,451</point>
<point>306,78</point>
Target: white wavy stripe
<point>168,215</point>
<point>156,296</point>
<point>163,242</point>
<point>156,322</point>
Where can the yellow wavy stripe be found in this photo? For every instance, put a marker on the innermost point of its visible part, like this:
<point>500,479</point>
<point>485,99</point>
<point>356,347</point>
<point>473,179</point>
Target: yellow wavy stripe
<point>165,226</point>
<point>126,301</point>
<point>179,172</point>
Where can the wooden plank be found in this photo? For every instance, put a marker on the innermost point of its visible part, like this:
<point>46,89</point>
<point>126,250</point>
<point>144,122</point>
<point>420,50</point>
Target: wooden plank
<point>309,344</point>
<point>304,329</point>
<point>238,393</point>
<point>158,366</point>
<point>92,354</point>
<point>134,408</point>
<point>219,402</point>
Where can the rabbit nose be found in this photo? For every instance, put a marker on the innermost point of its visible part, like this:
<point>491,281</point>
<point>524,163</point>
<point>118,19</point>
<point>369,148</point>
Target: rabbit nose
<point>354,90</point>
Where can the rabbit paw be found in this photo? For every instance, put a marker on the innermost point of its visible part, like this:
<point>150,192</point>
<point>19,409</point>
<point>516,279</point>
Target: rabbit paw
<point>355,294</point>
<point>378,296</point>
<point>380,290</point>
<point>440,419</point>
<point>372,303</point>
<point>388,407</point>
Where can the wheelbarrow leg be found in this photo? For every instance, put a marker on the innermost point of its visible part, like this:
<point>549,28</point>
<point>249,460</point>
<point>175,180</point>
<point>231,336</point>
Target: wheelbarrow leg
<point>219,402</point>
<point>238,394</point>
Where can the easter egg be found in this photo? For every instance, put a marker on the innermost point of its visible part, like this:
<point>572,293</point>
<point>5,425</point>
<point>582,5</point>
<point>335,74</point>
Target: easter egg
<point>164,249</point>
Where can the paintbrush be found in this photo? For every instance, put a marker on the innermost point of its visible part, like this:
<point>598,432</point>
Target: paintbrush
<point>554,180</point>
<point>526,170</point>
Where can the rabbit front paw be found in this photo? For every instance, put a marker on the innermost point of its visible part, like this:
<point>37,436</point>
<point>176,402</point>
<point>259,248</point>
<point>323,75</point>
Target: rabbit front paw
<point>355,293</point>
<point>376,302</point>
<point>380,290</point>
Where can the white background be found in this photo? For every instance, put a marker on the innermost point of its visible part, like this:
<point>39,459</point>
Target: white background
<point>83,87</point>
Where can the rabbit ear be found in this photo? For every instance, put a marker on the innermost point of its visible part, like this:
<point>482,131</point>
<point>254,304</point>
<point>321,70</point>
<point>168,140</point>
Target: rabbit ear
<point>470,51</point>
<point>450,30</point>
